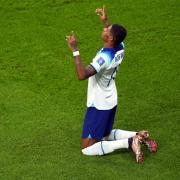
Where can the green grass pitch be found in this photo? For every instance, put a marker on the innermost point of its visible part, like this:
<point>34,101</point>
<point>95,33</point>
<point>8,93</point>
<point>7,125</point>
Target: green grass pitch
<point>42,104</point>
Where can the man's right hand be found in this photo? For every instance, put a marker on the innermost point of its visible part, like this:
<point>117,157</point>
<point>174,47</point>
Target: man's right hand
<point>101,12</point>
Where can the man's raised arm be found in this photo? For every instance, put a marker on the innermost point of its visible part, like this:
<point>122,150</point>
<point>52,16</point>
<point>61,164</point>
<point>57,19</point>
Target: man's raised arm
<point>82,72</point>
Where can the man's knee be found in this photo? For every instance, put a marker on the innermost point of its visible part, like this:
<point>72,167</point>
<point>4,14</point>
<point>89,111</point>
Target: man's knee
<point>87,142</point>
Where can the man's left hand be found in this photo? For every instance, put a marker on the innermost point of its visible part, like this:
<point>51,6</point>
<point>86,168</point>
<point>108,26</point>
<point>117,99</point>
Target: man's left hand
<point>72,43</point>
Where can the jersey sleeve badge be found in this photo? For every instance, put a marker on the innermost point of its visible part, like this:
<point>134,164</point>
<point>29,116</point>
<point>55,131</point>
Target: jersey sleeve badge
<point>100,61</point>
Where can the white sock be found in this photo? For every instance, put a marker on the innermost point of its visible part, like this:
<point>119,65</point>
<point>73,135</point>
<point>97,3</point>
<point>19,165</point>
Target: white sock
<point>117,134</point>
<point>105,147</point>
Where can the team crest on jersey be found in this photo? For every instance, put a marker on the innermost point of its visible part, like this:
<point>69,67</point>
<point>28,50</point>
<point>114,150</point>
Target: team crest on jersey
<point>100,61</point>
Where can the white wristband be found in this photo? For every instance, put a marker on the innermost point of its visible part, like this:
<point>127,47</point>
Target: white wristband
<point>76,53</point>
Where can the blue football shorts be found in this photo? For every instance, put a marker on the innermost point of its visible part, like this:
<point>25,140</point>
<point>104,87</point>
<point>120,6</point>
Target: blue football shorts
<point>98,123</point>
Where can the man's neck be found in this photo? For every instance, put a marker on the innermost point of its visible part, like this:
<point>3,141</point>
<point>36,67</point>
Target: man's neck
<point>107,45</point>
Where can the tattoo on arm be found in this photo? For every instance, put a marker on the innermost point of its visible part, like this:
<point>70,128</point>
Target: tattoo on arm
<point>90,71</point>
<point>82,72</point>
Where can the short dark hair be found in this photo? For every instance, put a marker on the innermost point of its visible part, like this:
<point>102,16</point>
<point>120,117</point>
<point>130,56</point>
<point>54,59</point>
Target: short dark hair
<point>118,33</point>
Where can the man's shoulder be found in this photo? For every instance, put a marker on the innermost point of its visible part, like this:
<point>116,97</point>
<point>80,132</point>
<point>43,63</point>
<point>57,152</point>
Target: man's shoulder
<point>102,54</point>
<point>110,52</point>
<point>106,55</point>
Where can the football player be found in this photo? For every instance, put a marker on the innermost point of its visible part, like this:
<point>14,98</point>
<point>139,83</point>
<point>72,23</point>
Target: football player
<point>98,136</point>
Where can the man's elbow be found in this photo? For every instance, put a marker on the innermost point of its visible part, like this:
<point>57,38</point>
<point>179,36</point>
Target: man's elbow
<point>82,77</point>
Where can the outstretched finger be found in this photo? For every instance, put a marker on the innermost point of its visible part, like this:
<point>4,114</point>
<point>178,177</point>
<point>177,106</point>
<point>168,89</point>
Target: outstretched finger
<point>104,9</point>
<point>72,33</point>
<point>98,10</point>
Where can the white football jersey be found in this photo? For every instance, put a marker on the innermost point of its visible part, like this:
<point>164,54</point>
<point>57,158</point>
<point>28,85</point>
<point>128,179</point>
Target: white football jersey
<point>102,93</point>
